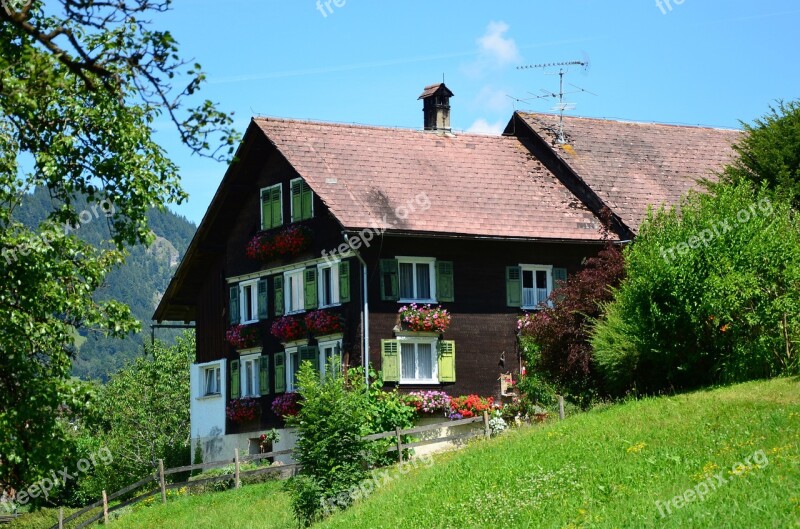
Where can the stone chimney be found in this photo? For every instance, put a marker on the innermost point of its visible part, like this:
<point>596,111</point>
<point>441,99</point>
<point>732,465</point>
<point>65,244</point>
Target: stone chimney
<point>436,107</point>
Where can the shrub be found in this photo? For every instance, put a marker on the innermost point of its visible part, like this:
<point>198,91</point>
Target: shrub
<point>329,447</point>
<point>712,295</point>
<point>536,390</point>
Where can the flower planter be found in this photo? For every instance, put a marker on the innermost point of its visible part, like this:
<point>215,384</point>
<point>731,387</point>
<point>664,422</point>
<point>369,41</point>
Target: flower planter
<point>323,323</point>
<point>243,336</point>
<point>289,329</point>
<point>288,242</point>
<point>424,318</point>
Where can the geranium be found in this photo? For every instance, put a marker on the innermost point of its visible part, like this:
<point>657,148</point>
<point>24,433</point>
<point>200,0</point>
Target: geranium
<point>287,405</point>
<point>240,410</point>
<point>430,401</point>
<point>242,336</point>
<point>322,322</point>
<point>424,318</point>
<point>289,329</point>
<point>470,406</point>
<point>289,242</point>
<point>265,440</point>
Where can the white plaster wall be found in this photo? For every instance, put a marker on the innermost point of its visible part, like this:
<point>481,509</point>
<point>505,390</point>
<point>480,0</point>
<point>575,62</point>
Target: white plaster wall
<point>207,414</point>
<point>221,447</point>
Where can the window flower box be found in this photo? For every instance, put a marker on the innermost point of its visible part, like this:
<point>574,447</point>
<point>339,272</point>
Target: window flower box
<point>288,242</point>
<point>289,329</point>
<point>469,406</point>
<point>287,405</point>
<point>242,336</point>
<point>430,402</point>
<point>424,318</point>
<point>243,410</point>
<point>323,323</point>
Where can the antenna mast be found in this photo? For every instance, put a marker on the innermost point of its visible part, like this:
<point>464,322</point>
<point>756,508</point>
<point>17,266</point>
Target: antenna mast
<point>561,106</point>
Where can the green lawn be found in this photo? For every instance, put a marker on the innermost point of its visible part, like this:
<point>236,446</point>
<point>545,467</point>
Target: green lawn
<point>604,469</point>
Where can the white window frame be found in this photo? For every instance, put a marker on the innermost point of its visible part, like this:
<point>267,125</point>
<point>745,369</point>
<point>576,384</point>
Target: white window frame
<point>434,343</point>
<point>253,302</point>
<point>292,358</point>
<point>329,344</point>
<point>261,207</point>
<point>291,200</point>
<point>254,360</point>
<point>431,262</point>
<point>335,300</point>
<point>287,291</point>
<point>202,393</point>
<point>535,268</point>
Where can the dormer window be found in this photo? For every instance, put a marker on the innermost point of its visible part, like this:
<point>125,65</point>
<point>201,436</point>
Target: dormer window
<point>271,207</point>
<point>302,200</point>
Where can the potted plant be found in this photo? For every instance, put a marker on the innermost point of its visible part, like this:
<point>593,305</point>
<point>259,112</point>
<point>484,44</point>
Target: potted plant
<point>287,405</point>
<point>242,336</point>
<point>323,322</point>
<point>289,329</point>
<point>425,318</point>
<point>430,402</point>
<point>243,410</point>
<point>267,439</point>
<point>288,242</point>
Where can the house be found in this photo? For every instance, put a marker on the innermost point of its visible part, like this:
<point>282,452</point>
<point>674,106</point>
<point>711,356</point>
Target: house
<point>343,223</point>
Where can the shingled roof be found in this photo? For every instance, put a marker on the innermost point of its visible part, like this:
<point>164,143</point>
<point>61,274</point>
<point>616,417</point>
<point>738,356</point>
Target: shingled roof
<point>631,166</point>
<point>486,186</point>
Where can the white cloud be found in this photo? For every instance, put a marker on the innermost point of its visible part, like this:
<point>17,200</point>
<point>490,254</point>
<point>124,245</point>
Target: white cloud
<point>495,50</point>
<point>481,126</point>
<point>493,100</point>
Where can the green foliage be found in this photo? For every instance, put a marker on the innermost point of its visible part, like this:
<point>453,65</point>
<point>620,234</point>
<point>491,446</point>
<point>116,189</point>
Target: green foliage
<point>537,391</point>
<point>145,417</point>
<point>712,295</point>
<point>329,447</point>
<point>78,121</point>
<point>769,153</point>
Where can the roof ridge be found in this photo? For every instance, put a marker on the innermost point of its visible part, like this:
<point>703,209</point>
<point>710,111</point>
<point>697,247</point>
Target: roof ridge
<point>455,133</point>
<point>633,122</point>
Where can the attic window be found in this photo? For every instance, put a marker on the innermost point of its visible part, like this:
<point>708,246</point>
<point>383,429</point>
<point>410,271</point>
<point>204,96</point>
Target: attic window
<point>271,207</point>
<point>302,200</point>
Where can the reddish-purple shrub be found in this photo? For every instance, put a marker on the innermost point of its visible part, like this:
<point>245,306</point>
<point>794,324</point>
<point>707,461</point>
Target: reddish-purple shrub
<point>557,337</point>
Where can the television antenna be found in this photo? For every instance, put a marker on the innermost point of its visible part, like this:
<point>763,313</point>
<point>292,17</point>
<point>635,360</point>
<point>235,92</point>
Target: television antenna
<point>560,106</point>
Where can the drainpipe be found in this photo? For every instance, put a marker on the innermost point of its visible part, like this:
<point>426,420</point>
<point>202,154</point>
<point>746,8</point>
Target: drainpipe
<point>364,312</point>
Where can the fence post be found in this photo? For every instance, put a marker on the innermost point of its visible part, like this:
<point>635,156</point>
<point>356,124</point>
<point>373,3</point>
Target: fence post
<point>162,481</point>
<point>61,518</point>
<point>487,432</point>
<point>399,445</point>
<point>561,407</point>
<point>236,468</point>
<point>105,507</point>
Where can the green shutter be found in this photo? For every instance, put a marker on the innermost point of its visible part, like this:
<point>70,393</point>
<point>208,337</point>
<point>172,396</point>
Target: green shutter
<point>310,354</point>
<point>310,286</point>
<point>390,289</point>
<point>277,206</point>
<point>280,372</point>
<point>444,281</point>
<point>278,301</point>
<point>308,201</point>
<point>263,304</point>
<point>447,361</point>
<point>235,379</point>
<point>559,274</point>
<point>390,360</point>
<point>266,209</point>
<point>514,286</point>
<point>234,305</point>
<point>263,379</point>
<point>344,281</point>
<point>297,200</point>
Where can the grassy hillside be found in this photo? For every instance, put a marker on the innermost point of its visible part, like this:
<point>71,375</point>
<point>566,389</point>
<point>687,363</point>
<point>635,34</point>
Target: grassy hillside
<point>604,469</point>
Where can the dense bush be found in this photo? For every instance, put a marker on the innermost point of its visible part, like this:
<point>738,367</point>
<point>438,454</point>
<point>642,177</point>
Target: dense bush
<point>555,340</point>
<point>712,295</point>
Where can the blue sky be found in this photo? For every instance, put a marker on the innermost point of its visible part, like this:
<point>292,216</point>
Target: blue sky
<point>700,62</point>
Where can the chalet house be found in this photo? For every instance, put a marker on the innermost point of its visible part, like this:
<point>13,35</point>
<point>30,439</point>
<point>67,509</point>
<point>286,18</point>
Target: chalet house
<point>329,230</point>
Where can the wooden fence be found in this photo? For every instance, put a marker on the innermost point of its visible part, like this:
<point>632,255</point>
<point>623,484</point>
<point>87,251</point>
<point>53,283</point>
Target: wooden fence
<point>160,476</point>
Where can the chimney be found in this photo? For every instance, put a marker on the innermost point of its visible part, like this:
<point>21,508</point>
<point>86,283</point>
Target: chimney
<point>436,107</point>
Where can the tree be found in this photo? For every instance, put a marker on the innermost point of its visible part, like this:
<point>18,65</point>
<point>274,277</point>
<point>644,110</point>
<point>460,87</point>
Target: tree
<point>81,84</point>
<point>769,153</point>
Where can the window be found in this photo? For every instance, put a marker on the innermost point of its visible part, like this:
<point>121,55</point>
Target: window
<point>294,287</point>
<point>271,207</point>
<point>416,279</point>
<point>328,284</point>
<point>295,356</point>
<point>251,366</point>
<point>418,363</point>
<point>302,200</point>
<point>330,354</point>
<point>212,384</point>
<point>537,283</point>
<point>248,299</point>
